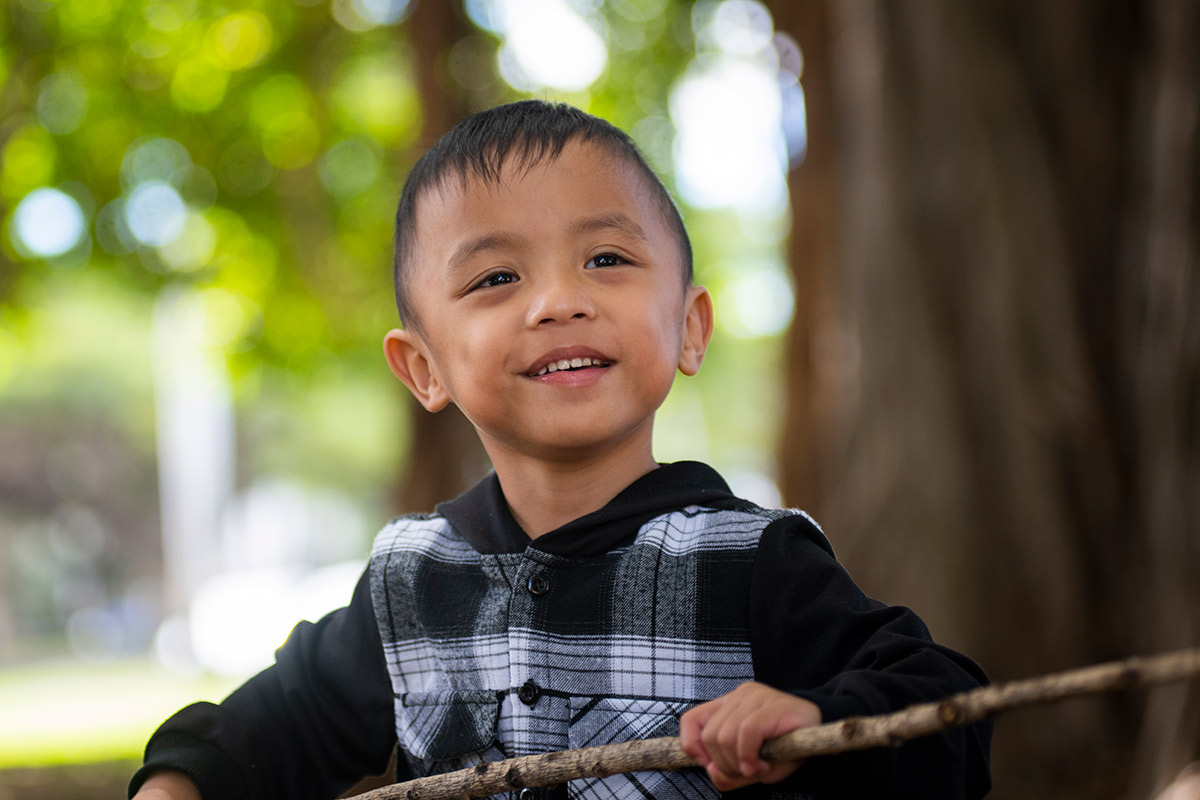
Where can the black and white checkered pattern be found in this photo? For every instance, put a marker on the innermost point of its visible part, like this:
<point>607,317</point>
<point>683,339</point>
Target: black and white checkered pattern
<point>472,643</point>
<point>609,648</point>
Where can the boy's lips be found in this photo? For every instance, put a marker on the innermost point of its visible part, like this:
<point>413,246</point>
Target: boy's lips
<point>567,358</point>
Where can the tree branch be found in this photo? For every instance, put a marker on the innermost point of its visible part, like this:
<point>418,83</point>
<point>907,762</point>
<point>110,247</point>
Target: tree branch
<point>854,733</point>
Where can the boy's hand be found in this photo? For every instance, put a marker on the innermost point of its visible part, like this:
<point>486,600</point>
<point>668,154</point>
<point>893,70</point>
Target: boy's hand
<point>168,785</point>
<point>725,735</point>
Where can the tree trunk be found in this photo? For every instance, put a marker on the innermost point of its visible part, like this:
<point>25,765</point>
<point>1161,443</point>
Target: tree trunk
<point>444,455</point>
<point>1161,366</point>
<point>1007,433</point>
<point>815,344</point>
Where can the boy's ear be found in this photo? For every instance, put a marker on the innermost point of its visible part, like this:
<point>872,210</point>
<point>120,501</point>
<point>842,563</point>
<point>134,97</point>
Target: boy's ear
<point>698,329</point>
<point>406,355</point>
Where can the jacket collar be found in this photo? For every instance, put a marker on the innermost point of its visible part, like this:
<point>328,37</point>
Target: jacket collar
<point>481,516</point>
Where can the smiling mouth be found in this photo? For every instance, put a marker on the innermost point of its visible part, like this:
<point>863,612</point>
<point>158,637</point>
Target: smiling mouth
<point>568,364</point>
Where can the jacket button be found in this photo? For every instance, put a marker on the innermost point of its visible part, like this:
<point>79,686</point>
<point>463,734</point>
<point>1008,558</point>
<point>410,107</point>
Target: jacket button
<point>537,585</point>
<point>529,693</point>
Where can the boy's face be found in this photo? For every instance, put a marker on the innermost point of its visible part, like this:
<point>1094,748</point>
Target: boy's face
<point>552,307</point>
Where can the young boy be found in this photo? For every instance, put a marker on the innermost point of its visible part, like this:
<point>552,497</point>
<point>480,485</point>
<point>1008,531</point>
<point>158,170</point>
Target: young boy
<point>582,593</point>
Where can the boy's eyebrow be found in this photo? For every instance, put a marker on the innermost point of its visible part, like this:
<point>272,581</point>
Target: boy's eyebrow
<point>494,241</point>
<point>619,221</point>
<point>490,241</point>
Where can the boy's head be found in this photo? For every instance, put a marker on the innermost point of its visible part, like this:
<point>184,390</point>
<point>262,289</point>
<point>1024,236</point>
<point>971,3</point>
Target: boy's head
<point>527,132</point>
<point>544,276</point>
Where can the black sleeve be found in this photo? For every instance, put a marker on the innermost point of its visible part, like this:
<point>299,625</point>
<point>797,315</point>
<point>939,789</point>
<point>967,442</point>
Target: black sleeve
<point>814,633</point>
<point>310,726</point>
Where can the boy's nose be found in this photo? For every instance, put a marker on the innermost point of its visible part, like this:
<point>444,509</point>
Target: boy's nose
<point>558,299</point>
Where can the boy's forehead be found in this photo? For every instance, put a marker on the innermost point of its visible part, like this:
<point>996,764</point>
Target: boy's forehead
<point>577,156</point>
<point>459,195</point>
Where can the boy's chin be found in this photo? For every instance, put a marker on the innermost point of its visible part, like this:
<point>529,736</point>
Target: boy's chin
<point>569,445</point>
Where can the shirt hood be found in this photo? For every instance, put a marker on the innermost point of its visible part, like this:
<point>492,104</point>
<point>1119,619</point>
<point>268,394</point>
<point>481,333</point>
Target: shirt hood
<point>481,516</point>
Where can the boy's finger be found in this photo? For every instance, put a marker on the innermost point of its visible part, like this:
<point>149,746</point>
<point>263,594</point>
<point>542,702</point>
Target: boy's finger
<point>689,741</point>
<point>745,733</point>
<point>751,735</point>
<point>692,724</point>
<point>723,738</point>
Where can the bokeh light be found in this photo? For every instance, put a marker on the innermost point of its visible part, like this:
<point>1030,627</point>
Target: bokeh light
<point>736,27</point>
<point>87,16</point>
<point>155,213</point>
<point>62,102</point>
<point>198,85</point>
<point>758,301</point>
<point>376,94</point>
<point>29,161</point>
<point>730,150</point>
<point>793,111</point>
<point>281,109</point>
<point>193,248</point>
<point>548,45</point>
<point>47,223</point>
<point>239,40</point>
<point>349,167</point>
<point>382,12</point>
<point>486,14</point>
<point>363,15</point>
<point>155,159</point>
<point>168,17</point>
<point>472,63</point>
<point>227,315</point>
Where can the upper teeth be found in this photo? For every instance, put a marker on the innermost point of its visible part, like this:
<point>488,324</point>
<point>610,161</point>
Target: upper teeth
<point>571,363</point>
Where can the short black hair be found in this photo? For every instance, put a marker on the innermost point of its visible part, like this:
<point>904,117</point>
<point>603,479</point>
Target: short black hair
<point>533,130</point>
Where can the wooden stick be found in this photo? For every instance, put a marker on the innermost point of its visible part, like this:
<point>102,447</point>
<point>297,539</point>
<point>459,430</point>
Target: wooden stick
<point>854,733</point>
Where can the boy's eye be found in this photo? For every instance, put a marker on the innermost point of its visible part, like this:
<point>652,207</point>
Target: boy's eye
<point>496,279</point>
<point>605,260</point>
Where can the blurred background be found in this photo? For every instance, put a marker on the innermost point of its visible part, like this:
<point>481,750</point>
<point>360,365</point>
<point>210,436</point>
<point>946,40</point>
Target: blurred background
<point>953,248</point>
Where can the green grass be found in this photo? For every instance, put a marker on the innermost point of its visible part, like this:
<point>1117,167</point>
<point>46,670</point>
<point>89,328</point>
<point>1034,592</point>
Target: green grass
<point>73,713</point>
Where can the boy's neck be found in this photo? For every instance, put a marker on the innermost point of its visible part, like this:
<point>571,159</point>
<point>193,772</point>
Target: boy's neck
<point>543,496</point>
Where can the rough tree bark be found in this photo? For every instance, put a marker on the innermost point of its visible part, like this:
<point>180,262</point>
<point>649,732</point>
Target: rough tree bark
<point>1007,428</point>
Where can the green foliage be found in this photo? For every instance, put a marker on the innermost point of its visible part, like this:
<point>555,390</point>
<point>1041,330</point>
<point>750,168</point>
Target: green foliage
<point>275,140</point>
<point>271,143</point>
<point>253,155</point>
<point>269,122</point>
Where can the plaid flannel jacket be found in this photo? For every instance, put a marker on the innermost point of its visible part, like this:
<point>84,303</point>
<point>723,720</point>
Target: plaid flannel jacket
<point>502,654</point>
<point>465,641</point>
